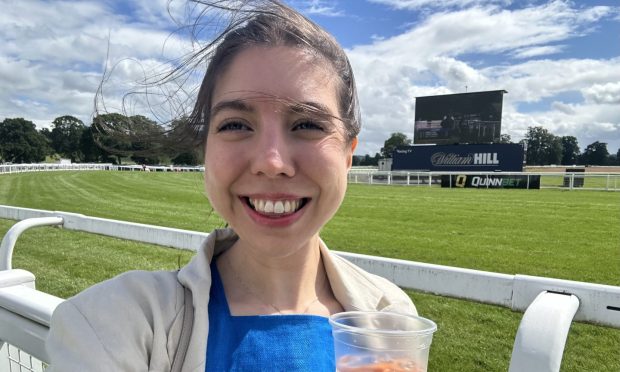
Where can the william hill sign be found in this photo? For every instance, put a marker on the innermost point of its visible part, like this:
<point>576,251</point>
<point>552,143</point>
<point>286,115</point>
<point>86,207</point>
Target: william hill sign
<point>449,158</point>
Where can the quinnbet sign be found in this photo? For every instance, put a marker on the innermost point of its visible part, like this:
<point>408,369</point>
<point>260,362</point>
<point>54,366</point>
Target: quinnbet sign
<point>498,181</point>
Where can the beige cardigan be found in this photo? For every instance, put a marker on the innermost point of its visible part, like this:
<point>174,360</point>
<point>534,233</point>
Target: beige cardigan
<point>133,322</point>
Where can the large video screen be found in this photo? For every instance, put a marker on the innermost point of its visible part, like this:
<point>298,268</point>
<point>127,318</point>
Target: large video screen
<point>458,118</point>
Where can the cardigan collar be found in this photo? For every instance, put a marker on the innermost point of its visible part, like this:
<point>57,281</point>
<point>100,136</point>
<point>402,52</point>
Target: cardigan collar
<point>352,289</point>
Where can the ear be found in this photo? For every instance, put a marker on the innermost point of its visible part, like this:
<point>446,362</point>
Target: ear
<point>350,155</point>
<point>353,145</point>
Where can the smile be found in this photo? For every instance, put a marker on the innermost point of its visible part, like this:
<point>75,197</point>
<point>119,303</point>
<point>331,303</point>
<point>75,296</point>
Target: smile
<point>276,207</point>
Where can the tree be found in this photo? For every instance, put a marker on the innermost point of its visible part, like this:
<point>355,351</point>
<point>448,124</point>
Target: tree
<point>395,140</point>
<point>505,138</point>
<point>146,140</point>
<point>543,148</point>
<point>47,133</point>
<point>111,133</point>
<point>66,135</point>
<point>367,160</point>
<point>595,154</point>
<point>187,158</point>
<point>91,151</point>
<point>20,142</point>
<point>618,157</point>
<point>570,150</point>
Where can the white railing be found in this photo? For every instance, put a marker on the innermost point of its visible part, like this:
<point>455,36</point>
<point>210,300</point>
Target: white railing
<point>157,168</point>
<point>43,167</point>
<point>25,312</point>
<point>20,168</point>
<point>558,180</point>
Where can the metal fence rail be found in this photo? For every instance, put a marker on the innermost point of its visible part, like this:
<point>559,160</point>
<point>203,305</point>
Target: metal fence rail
<point>25,313</point>
<point>21,168</point>
<point>44,167</point>
<point>548,180</point>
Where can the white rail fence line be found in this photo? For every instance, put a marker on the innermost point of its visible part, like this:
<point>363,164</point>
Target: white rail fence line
<point>44,167</point>
<point>25,312</point>
<point>21,168</point>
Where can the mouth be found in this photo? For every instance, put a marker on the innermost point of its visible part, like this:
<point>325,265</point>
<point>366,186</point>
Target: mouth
<point>276,208</point>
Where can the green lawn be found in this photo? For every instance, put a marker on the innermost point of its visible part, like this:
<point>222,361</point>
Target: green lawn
<point>565,234</point>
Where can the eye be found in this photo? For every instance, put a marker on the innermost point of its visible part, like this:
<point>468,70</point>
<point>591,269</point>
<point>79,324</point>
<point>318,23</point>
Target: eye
<point>232,126</point>
<point>308,125</point>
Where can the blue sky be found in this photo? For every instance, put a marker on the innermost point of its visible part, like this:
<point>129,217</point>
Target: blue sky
<point>558,60</point>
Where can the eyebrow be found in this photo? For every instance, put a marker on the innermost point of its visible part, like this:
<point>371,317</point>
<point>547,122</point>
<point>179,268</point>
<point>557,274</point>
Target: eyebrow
<point>237,105</point>
<point>310,107</point>
<point>306,107</point>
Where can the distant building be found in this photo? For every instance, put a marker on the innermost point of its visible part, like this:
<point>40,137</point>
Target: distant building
<point>385,164</point>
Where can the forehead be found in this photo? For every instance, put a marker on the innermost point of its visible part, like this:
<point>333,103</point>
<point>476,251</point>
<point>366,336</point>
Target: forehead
<point>279,72</point>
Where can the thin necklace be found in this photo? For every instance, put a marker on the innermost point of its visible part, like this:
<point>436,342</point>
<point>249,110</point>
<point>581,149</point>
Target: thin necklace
<point>257,297</point>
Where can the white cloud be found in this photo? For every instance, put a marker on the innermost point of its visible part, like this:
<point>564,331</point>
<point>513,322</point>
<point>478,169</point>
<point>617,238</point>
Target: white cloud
<point>318,7</point>
<point>529,52</point>
<point>563,108</point>
<point>435,54</point>
<point>589,123</point>
<point>418,4</point>
<point>52,55</point>
<point>484,30</point>
<point>52,58</point>
<point>534,80</point>
<point>608,93</point>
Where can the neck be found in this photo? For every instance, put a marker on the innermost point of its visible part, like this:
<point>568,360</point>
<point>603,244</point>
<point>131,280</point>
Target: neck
<point>264,283</point>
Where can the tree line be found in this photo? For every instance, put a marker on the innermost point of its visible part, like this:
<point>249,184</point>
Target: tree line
<point>139,139</point>
<point>542,148</point>
<point>135,138</point>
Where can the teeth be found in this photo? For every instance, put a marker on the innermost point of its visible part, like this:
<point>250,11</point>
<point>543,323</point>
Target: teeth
<point>275,206</point>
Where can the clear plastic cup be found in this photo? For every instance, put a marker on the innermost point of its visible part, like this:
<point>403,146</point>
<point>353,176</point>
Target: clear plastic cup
<point>381,341</point>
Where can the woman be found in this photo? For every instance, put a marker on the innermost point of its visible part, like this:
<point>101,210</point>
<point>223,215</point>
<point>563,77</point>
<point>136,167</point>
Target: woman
<point>278,110</point>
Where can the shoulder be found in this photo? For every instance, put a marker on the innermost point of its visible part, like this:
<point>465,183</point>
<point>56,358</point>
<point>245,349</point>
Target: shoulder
<point>134,289</point>
<point>387,295</point>
<point>117,323</point>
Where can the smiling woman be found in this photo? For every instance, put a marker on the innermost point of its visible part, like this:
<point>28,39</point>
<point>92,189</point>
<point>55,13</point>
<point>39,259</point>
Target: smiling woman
<point>278,117</point>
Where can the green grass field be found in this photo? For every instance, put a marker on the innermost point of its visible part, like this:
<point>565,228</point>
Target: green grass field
<point>564,234</point>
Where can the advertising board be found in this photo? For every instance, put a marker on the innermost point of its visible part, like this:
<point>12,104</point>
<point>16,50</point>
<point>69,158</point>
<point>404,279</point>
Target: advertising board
<point>458,118</point>
<point>498,181</point>
<point>505,157</point>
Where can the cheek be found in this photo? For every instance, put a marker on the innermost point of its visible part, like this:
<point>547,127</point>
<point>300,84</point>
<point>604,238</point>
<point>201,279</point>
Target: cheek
<point>215,169</point>
<point>330,168</point>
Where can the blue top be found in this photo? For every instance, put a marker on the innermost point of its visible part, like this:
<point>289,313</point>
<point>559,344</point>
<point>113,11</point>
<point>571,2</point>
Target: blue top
<point>265,342</point>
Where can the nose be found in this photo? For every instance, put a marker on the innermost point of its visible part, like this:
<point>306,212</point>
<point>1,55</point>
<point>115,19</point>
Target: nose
<point>273,156</point>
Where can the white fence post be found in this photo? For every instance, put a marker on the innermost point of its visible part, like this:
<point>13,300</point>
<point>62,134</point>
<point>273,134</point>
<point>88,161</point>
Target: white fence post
<point>8,242</point>
<point>541,337</point>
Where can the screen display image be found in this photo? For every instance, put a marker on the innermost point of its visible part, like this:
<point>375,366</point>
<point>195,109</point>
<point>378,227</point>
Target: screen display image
<point>459,118</point>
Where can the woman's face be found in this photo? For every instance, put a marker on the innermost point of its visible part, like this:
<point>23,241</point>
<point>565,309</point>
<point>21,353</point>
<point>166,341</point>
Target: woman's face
<point>276,171</point>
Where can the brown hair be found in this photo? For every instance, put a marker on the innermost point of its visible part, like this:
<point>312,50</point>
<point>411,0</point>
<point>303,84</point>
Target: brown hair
<point>231,26</point>
<point>272,23</point>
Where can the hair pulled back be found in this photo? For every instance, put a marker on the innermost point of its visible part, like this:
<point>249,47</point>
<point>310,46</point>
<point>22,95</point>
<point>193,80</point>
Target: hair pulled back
<point>230,26</point>
<point>273,24</point>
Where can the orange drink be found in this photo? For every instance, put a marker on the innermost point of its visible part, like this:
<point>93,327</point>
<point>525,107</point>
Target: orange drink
<point>381,341</point>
